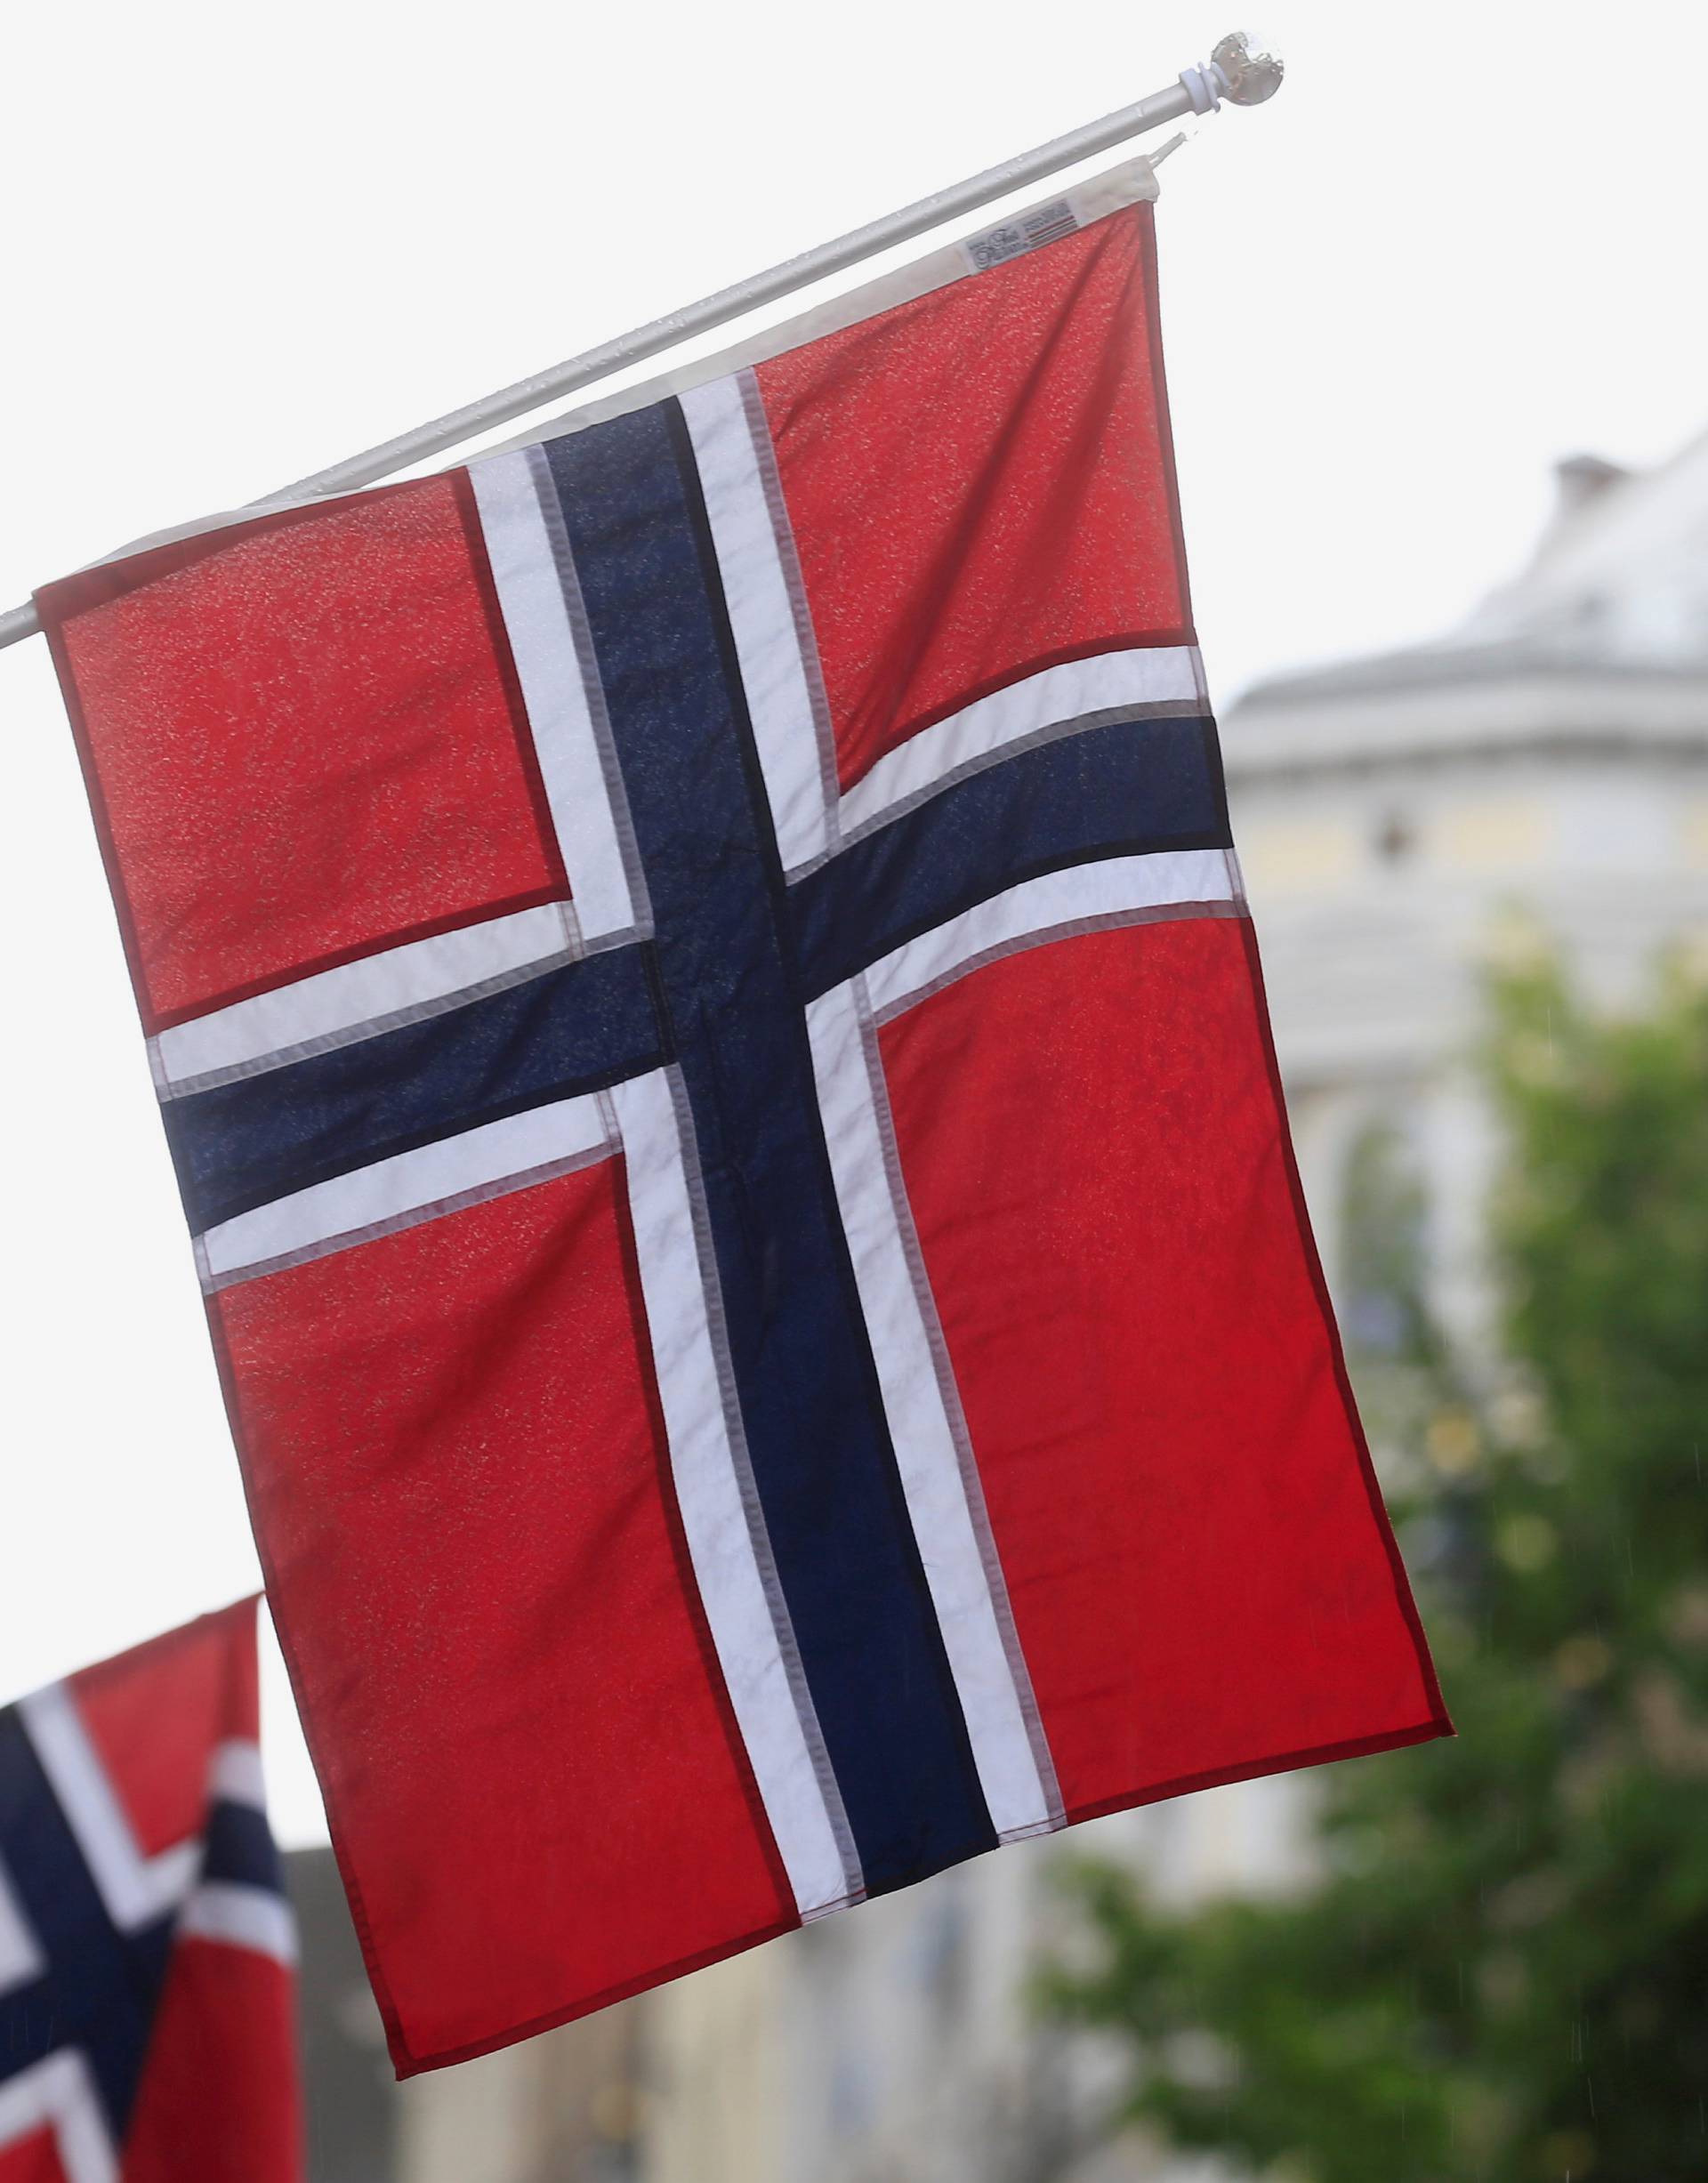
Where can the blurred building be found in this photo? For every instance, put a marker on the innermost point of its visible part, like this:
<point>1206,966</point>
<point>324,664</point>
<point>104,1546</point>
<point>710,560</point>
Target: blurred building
<point>1550,757</point>
<point>562,2108</point>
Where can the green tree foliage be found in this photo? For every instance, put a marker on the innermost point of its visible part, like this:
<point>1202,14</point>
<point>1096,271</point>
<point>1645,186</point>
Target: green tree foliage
<point>1498,1972</point>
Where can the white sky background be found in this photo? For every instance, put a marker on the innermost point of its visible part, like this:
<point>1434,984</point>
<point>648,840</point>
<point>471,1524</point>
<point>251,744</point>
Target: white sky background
<point>241,243</point>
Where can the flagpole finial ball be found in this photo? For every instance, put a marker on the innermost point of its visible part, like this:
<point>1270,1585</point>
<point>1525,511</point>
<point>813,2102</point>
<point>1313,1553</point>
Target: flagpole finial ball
<point>1249,66</point>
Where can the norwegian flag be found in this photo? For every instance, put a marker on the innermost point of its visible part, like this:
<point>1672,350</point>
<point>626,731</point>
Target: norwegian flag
<point>147,1993</point>
<point>700,994</point>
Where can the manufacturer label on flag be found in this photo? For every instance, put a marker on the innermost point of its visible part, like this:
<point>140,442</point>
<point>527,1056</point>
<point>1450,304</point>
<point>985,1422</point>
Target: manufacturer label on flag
<point>700,994</point>
<point>1046,223</point>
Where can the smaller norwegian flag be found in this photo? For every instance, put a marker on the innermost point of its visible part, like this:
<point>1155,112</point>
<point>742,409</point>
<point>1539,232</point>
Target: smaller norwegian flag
<point>147,1992</point>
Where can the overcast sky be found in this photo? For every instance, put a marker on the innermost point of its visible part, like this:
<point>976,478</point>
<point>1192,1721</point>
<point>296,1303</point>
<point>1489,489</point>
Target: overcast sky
<point>1463,240</point>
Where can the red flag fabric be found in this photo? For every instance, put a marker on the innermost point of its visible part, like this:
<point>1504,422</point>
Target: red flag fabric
<point>701,997</point>
<point>147,1951</point>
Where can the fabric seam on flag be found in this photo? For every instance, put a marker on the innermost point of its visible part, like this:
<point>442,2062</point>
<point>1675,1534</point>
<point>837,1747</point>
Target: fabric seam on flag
<point>752,1507</point>
<point>155,1020</point>
<point>682,1162</point>
<point>759,426</point>
<point>1378,1508</point>
<point>1257,1770</point>
<point>461,921</point>
<point>1056,732</point>
<point>467,1158</point>
<point>237,1192</point>
<point>764,630</point>
<point>927,1459</point>
<point>971,1482</point>
<point>1073,928</point>
<point>394,1224</point>
<point>1108,644</point>
<point>1078,860</point>
<point>372,1027</point>
<point>396,2044</point>
<point>1163,422</point>
<point>1028,913</point>
<point>617,796</point>
<point>410,2064</point>
<point>682,1550</point>
<point>437,1164</point>
<point>522,729</point>
<point>1124,682</point>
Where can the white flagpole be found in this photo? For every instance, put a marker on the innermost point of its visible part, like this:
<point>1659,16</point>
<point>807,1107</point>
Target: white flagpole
<point>1240,71</point>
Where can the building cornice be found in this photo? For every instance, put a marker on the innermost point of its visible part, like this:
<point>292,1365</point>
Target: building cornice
<point>1579,711</point>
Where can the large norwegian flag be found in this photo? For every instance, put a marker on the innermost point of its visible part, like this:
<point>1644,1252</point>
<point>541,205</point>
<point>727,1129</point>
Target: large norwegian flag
<point>147,1992</point>
<point>701,998</point>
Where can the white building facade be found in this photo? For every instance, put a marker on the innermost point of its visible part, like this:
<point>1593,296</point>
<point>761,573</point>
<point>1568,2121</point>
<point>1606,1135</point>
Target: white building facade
<point>1547,763</point>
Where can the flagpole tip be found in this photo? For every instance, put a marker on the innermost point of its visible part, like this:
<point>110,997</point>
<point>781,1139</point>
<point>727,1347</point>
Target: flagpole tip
<point>1249,66</point>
